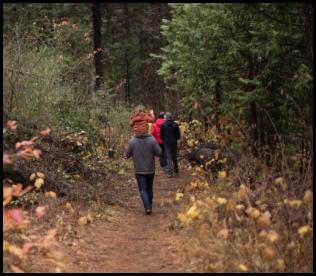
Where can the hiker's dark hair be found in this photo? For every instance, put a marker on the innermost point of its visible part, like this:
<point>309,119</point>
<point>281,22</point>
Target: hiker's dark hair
<point>161,115</point>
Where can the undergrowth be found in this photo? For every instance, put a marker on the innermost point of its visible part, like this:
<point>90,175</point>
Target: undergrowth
<point>250,218</point>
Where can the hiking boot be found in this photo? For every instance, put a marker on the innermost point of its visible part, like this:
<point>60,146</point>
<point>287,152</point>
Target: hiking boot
<point>148,212</point>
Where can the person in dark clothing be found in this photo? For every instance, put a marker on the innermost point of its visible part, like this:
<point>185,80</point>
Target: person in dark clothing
<point>156,133</point>
<point>143,149</point>
<point>170,134</point>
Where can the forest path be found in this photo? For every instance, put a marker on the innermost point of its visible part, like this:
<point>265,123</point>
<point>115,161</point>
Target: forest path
<point>128,240</point>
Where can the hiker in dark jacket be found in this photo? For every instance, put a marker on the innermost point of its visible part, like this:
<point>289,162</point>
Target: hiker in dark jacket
<point>156,133</point>
<point>143,149</point>
<point>170,134</point>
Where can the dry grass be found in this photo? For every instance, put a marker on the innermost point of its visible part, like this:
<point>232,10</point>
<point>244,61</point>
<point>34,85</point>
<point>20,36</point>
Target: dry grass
<point>258,222</point>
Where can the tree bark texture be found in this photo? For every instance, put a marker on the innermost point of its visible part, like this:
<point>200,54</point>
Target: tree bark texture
<point>97,39</point>
<point>127,61</point>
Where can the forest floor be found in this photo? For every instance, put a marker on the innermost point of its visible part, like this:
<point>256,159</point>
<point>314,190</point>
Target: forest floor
<point>125,239</point>
<point>128,240</point>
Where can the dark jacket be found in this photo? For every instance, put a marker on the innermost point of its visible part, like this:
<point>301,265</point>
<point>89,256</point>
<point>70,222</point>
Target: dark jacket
<point>170,132</point>
<point>143,149</point>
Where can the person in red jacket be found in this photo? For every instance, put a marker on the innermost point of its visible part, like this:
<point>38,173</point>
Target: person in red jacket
<point>156,133</point>
<point>139,120</point>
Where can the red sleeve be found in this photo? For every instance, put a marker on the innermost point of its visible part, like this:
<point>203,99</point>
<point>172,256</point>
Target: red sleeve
<point>154,131</point>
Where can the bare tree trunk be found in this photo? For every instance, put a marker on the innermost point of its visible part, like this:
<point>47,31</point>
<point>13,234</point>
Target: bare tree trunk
<point>218,101</point>
<point>308,12</point>
<point>253,111</point>
<point>127,61</point>
<point>97,39</point>
<point>127,79</point>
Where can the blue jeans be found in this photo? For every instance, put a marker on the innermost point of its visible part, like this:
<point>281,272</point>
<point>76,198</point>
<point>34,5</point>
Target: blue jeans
<point>145,187</point>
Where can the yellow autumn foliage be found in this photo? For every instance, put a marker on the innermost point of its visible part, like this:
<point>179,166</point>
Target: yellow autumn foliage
<point>32,176</point>
<point>7,195</point>
<point>221,200</point>
<point>6,246</point>
<point>179,196</point>
<point>39,182</point>
<point>183,218</point>
<point>193,212</point>
<point>222,175</point>
<point>240,207</point>
<point>303,230</point>
<point>243,267</point>
<point>40,175</point>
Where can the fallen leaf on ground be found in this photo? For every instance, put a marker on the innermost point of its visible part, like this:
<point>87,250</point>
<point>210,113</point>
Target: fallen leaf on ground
<point>179,196</point>
<point>280,264</point>
<point>268,253</point>
<point>304,230</point>
<point>27,247</point>
<point>40,175</point>
<point>45,132</point>
<point>308,197</point>
<point>243,191</point>
<point>295,203</point>
<point>39,182</point>
<point>40,211</point>
<point>221,200</point>
<point>252,212</point>
<point>242,267</point>
<point>183,218</point>
<point>240,207</point>
<point>222,175</point>
<point>7,195</point>
<point>6,246</point>
<point>273,236</point>
<point>223,234</point>
<point>37,153</point>
<point>17,189</point>
<point>17,251</point>
<point>6,159</point>
<point>264,220</point>
<point>16,215</point>
<point>51,194</point>
<point>193,212</point>
<point>16,269</point>
<point>83,220</point>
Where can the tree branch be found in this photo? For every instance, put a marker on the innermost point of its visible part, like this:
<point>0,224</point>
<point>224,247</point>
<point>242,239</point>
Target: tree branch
<point>273,18</point>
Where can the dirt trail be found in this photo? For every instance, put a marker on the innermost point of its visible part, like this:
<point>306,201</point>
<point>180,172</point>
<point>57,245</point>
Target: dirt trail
<point>128,240</point>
